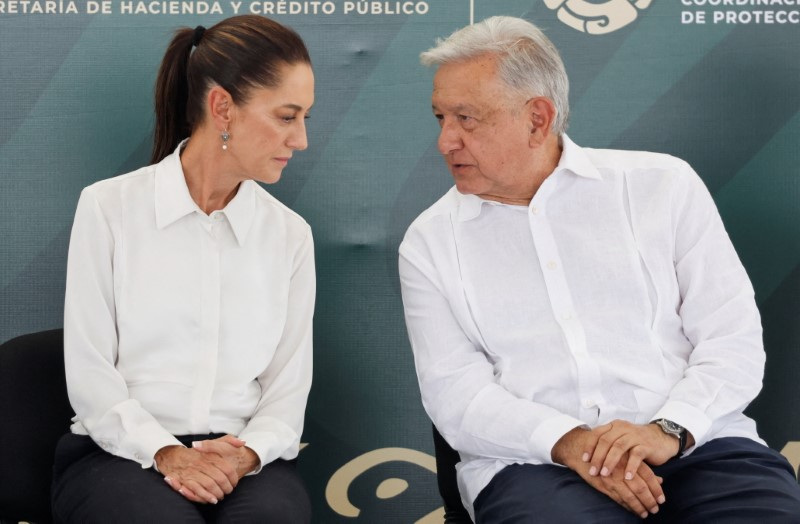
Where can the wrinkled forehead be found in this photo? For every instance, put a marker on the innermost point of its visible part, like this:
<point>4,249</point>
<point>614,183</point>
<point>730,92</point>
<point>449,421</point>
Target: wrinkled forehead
<point>471,83</point>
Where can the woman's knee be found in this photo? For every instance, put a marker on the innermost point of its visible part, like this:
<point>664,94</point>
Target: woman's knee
<point>276,495</point>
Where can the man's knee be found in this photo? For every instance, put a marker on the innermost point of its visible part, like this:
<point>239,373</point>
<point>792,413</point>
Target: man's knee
<point>545,493</point>
<point>732,480</point>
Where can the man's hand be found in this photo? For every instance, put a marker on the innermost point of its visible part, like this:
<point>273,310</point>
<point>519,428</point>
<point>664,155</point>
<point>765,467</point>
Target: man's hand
<point>611,442</point>
<point>641,494</point>
<point>204,478</point>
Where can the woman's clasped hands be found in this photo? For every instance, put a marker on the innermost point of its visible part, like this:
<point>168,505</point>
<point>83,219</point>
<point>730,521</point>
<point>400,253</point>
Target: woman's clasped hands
<point>207,471</point>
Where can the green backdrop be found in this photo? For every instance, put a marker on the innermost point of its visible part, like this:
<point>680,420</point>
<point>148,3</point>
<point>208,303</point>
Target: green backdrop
<point>76,88</point>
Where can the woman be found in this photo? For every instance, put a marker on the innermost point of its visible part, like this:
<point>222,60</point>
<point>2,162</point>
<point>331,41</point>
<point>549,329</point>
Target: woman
<point>190,295</point>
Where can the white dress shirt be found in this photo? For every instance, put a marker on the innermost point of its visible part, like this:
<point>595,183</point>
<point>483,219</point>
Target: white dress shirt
<point>178,323</point>
<point>615,294</point>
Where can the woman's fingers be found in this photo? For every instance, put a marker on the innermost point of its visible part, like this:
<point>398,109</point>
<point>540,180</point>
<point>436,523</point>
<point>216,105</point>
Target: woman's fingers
<point>204,488</point>
<point>178,486</point>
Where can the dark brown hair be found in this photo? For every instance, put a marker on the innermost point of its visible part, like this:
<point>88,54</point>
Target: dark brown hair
<point>238,54</point>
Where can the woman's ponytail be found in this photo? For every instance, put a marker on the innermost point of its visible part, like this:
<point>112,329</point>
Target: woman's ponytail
<point>171,94</point>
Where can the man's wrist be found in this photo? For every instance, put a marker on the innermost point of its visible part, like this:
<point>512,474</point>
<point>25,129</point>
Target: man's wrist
<point>568,447</point>
<point>675,432</point>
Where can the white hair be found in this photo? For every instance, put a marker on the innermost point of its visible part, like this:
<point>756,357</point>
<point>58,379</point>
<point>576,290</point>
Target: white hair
<point>529,63</point>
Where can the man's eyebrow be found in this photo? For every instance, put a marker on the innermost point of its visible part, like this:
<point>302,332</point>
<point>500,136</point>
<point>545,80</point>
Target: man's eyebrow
<point>458,108</point>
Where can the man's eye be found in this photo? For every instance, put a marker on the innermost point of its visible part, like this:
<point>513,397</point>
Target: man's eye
<point>287,119</point>
<point>464,118</point>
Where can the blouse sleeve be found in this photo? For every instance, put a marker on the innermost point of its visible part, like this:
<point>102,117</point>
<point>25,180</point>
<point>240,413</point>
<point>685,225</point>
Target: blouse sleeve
<point>274,430</point>
<point>97,391</point>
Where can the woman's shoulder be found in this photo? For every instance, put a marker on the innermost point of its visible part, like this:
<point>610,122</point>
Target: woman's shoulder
<point>271,205</point>
<point>112,187</point>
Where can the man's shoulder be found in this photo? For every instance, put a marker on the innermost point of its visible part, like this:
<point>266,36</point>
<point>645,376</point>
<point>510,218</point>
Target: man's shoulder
<point>442,208</point>
<point>433,222</point>
<point>621,159</point>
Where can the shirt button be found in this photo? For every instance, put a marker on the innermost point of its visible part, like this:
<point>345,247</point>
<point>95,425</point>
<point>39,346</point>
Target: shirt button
<point>588,403</point>
<point>552,265</point>
<point>534,210</point>
<point>566,316</point>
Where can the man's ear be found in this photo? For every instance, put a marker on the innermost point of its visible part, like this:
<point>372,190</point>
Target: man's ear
<point>542,112</point>
<point>220,107</point>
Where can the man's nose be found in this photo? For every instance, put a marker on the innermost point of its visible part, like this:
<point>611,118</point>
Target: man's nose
<point>449,137</point>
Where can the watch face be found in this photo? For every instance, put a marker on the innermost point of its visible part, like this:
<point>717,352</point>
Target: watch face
<point>670,427</point>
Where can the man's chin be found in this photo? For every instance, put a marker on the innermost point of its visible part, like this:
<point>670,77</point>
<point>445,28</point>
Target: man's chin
<point>465,188</point>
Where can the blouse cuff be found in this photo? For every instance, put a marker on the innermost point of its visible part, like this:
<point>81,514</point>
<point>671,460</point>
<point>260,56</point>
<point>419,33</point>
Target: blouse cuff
<point>143,445</point>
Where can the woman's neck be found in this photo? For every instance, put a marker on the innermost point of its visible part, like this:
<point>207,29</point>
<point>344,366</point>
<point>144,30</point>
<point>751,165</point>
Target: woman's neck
<point>203,167</point>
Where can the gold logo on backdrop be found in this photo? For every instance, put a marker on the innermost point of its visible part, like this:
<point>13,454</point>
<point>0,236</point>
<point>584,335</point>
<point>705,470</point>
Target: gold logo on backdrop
<point>336,491</point>
<point>597,18</point>
<point>792,453</point>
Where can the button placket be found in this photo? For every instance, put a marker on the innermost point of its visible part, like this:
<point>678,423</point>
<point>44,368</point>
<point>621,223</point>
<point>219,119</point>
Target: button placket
<point>588,374</point>
<point>206,364</point>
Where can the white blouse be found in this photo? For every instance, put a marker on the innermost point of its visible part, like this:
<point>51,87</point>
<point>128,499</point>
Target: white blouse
<point>616,294</point>
<point>177,322</point>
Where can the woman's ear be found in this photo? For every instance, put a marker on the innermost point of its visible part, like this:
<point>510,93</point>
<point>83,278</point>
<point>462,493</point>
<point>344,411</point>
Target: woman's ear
<point>220,107</point>
<point>542,112</point>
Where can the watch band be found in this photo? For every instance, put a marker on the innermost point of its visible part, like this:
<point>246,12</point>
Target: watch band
<point>681,442</point>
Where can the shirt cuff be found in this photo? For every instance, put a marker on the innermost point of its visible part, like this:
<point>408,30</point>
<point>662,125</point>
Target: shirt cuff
<point>263,445</point>
<point>547,433</point>
<point>695,421</point>
<point>143,445</point>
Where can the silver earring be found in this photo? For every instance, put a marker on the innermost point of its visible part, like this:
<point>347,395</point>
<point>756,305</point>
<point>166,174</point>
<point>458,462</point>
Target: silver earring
<point>225,137</point>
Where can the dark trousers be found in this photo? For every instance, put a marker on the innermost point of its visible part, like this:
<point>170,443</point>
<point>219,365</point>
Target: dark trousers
<point>727,480</point>
<point>93,486</point>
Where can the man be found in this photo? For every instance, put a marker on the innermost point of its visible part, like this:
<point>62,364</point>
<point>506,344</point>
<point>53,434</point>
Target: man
<point>583,331</point>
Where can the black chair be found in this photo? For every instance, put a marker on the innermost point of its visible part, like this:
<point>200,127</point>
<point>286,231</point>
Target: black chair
<point>446,460</point>
<point>36,413</point>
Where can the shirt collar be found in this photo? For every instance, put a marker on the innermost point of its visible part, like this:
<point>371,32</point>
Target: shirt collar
<point>172,198</point>
<point>241,210</point>
<point>573,159</point>
<point>173,201</point>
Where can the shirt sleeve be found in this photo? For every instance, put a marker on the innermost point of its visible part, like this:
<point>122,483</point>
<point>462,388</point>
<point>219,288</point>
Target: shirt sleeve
<point>97,391</point>
<point>719,315</point>
<point>274,430</point>
<point>460,392</point>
